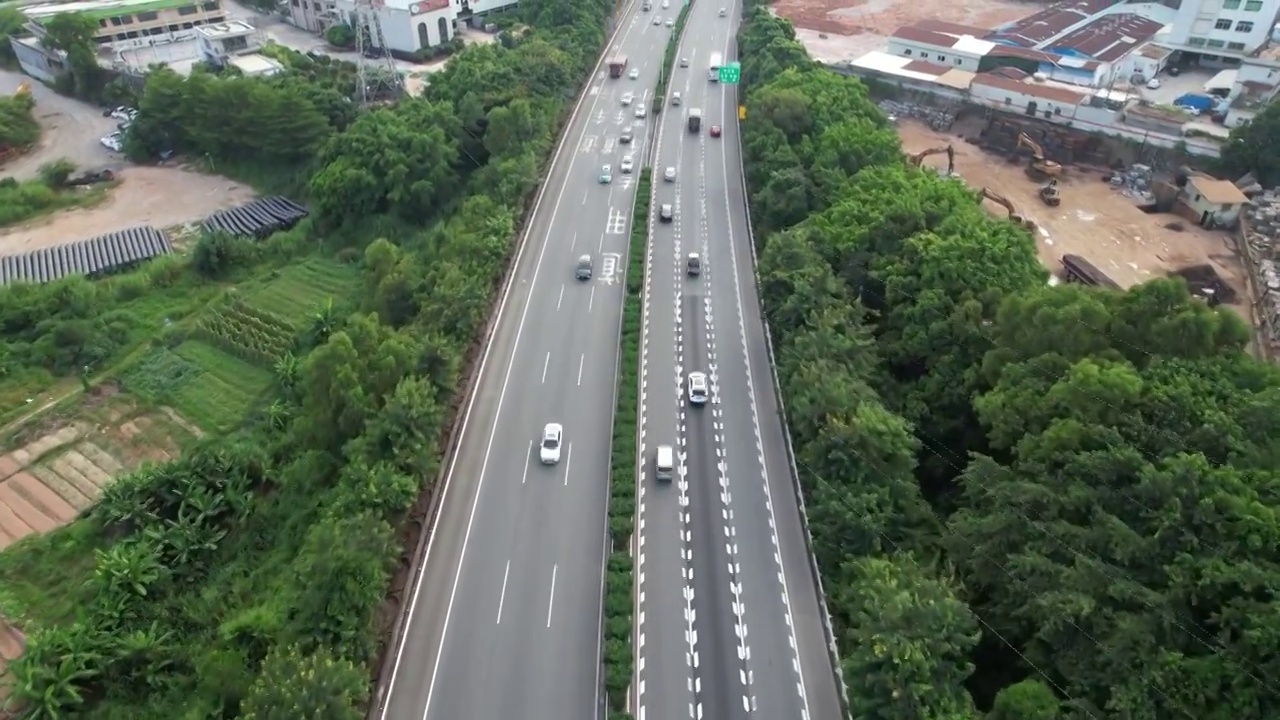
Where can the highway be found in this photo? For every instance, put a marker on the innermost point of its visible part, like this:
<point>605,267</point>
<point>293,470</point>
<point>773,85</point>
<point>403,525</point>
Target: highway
<point>504,617</point>
<point>730,622</point>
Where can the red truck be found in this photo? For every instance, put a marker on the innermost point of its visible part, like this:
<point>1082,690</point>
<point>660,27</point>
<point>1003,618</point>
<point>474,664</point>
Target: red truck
<point>616,65</point>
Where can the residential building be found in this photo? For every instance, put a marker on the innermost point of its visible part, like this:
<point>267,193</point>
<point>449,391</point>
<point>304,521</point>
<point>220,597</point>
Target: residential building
<point>1222,32</point>
<point>121,21</point>
<point>315,16</point>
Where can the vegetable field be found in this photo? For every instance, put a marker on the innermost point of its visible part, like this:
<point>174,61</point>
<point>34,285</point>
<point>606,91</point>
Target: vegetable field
<point>297,291</point>
<point>206,385</point>
<point>247,332</point>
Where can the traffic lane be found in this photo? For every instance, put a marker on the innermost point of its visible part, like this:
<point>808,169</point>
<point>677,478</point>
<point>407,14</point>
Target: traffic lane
<point>719,673</point>
<point>441,577</point>
<point>807,619</point>
<point>662,644</point>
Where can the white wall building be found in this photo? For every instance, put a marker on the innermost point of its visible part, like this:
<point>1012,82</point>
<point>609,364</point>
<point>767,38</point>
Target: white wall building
<point>941,43</point>
<point>1222,31</point>
<point>219,43</point>
<point>409,25</point>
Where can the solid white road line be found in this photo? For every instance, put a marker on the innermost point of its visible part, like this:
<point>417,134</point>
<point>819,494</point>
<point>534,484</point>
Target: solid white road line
<point>503,597</point>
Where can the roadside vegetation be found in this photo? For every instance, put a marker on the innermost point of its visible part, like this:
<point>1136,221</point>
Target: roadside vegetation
<point>249,578</point>
<point>1027,501</point>
<point>18,126</point>
<point>619,596</point>
<point>1255,148</point>
<point>54,189</point>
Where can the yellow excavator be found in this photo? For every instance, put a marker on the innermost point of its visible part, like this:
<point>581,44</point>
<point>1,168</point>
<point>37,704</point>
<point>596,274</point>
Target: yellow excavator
<point>1001,200</point>
<point>1040,167</point>
<point>1050,195</point>
<point>917,159</point>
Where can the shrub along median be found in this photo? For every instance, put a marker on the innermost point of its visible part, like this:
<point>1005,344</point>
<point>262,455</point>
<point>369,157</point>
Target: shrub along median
<point>619,577</point>
<point>669,58</point>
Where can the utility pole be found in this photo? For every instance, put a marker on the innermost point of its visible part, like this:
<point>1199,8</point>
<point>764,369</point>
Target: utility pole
<point>376,71</point>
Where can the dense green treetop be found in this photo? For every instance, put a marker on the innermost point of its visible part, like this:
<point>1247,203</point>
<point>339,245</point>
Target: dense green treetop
<point>1026,501</point>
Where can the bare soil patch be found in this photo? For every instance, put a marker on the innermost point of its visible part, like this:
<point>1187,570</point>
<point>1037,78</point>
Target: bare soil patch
<point>1093,221</point>
<point>856,27</point>
<point>159,196</point>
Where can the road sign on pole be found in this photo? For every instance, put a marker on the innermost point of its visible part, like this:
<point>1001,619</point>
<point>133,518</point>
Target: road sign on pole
<point>730,73</point>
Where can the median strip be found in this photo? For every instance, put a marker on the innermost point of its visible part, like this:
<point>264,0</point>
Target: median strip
<point>619,572</point>
<point>669,57</point>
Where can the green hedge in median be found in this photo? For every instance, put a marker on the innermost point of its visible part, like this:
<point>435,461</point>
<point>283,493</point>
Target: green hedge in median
<point>619,576</point>
<point>669,58</point>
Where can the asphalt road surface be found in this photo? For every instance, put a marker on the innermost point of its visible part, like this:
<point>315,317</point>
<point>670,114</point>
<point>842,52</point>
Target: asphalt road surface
<point>504,619</point>
<point>730,622</point>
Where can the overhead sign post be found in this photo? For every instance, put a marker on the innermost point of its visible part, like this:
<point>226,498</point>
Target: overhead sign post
<point>730,73</point>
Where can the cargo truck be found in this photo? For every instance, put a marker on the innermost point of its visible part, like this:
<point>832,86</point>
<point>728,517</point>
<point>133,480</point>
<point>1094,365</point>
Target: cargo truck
<point>616,65</point>
<point>695,120</point>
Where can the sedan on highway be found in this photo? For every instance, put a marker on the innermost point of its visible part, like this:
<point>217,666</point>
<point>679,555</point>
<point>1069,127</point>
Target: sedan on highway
<point>549,452</point>
<point>657,21</point>
<point>606,175</point>
<point>635,73</point>
<point>583,271</point>
<point>669,174</point>
<point>625,137</point>
<point>670,23</point>
<point>626,99</point>
<point>694,265</point>
<point>665,214</point>
<point>641,111</point>
<point>684,62</point>
<point>628,163</point>
<point>697,388</point>
<point>715,131</point>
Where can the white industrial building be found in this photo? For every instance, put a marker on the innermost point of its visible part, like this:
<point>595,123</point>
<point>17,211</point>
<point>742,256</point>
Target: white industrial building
<point>407,25</point>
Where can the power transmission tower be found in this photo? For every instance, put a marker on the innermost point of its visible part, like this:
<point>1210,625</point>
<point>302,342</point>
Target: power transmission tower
<point>376,71</point>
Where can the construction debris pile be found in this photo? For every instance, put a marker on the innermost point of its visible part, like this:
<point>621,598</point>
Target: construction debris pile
<point>1261,232</point>
<point>1135,182</point>
<point>939,119</point>
<point>1061,144</point>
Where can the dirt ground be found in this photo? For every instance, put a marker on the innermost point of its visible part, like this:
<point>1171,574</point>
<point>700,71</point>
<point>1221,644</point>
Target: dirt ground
<point>159,196</point>
<point>1093,221</point>
<point>71,130</point>
<point>853,28</point>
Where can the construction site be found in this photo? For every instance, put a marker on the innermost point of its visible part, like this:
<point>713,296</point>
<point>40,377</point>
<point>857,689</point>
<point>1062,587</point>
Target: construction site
<point>1092,223</point>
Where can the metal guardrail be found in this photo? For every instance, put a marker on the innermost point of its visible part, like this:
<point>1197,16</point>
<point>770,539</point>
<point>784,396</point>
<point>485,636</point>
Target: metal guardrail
<point>827,628</point>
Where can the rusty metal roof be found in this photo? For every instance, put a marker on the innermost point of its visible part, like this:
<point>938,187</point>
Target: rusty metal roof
<point>1050,22</point>
<point>1024,53</point>
<point>937,33</point>
<point>1110,37</point>
<point>1037,90</point>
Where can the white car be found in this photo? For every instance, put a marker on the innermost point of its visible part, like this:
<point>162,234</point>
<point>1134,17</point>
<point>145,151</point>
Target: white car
<point>606,175</point>
<point>670,23</point>
<point>666,4</point>
<point>657,20</point>
<point>626,99</point>
<point>113,142</point>
<point>1153,84</point>
<point>697,388</point>
<point>627,165</point>
<point>676,99</point>
<point>669,174</point>
<point>549,450</point>
<point>684,62</point>
<point>124,113</point>
<point>723,12</point>
<point>635,73</point>
<point>640,111</point>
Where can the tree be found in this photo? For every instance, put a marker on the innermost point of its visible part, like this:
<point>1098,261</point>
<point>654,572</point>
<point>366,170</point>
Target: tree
<point>907,644</point>
<point>1030,699</point>
<point>1255,148</point>
<point>294,684</point>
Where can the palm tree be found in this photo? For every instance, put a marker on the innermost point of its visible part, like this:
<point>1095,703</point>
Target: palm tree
<point>322,321</point>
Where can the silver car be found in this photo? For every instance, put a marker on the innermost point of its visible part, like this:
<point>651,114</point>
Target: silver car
<point>669,174</point>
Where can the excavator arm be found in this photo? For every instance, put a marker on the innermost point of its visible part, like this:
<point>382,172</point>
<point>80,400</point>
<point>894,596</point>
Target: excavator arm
<point>918,158</point>
<point>1014,215</point>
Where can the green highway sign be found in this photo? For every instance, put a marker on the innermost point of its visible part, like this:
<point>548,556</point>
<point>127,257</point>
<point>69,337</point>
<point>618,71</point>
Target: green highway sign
<point>730,73</point>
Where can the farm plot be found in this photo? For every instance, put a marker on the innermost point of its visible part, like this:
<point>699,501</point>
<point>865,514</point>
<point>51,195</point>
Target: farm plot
<point>299,290</point>
<point>50,474</point>
<point>213,389</point>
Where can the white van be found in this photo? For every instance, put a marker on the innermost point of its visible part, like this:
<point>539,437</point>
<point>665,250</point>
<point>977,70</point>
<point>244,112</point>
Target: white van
<point>675,98</point>
<point>665,462</point>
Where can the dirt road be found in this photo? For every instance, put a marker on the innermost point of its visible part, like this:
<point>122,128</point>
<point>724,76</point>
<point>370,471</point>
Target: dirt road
<point>159,196</point>
<point>1093,221</point>
<point>72,130</point>
<point>856,27</point>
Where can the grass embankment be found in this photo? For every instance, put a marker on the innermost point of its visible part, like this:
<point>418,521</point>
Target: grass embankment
<point>28,200</point>
<point>669,57</point>
<point>619,656</point>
